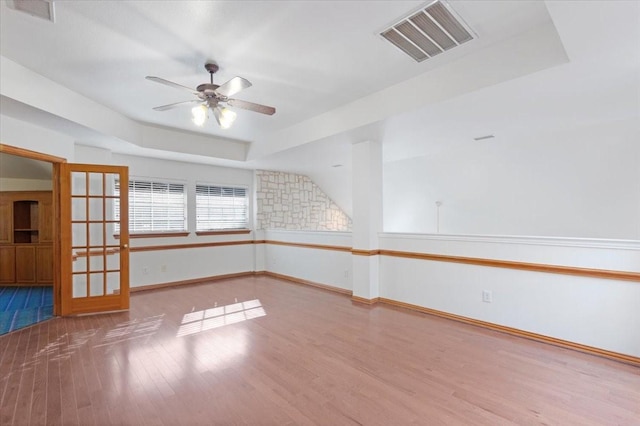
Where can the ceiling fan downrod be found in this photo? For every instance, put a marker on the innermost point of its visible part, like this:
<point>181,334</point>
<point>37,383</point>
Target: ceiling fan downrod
<point>212,68</point>
<point>207,90</point>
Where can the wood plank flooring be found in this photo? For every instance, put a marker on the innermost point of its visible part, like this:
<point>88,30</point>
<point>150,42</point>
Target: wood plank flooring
<point>261,351</point>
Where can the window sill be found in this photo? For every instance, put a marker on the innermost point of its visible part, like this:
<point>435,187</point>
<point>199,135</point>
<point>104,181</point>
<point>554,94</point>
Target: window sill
<point>224,232</point>
<point>156,235</point>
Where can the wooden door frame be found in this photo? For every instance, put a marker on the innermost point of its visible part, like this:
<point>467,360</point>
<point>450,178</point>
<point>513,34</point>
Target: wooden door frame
<point>55,163</point>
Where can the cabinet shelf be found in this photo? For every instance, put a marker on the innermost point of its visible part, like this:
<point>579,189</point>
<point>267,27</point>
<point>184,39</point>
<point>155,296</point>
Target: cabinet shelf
<point>22,236</point>
<point>25,221</point>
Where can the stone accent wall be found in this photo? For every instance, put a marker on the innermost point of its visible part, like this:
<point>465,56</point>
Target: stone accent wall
<point>292,201</point>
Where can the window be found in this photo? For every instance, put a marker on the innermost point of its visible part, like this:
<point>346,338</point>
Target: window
<point>155,206</point>
<point>219,207</point>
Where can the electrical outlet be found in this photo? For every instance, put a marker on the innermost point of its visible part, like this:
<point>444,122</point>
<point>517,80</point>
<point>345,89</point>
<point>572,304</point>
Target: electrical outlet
<point>346,273</point>
<point>487,296</point>
<point>145,270</point>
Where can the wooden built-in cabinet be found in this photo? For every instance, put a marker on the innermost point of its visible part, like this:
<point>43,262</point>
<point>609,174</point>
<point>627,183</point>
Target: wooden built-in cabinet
<point>5,220</point>
<point>7,264</point>
<point>26,237</point>
<point>44,256</point>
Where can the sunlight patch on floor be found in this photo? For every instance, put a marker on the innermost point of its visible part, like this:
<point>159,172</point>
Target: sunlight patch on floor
<point>219,316</point>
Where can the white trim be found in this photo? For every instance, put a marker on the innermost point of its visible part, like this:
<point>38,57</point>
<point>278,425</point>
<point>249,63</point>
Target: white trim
<point>528,240</point>
<point>306,233</point>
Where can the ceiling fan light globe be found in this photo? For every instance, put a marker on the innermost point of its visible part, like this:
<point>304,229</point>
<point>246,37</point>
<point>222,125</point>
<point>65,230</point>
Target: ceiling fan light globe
<point>199,115</point>
<point>224,116</point>
<point>228,117</point>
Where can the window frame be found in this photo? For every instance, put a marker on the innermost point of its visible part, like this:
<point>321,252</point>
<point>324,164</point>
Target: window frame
<point>223,231</point>
<point>156,233</point>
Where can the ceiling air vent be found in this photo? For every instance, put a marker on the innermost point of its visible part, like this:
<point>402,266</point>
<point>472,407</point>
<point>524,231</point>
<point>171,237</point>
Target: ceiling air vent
<point>428,32</point>
<point>40,8</point>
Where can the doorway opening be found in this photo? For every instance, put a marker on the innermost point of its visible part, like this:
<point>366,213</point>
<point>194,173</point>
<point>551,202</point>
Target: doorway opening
<point>90,271</point>
<point>29,237</point>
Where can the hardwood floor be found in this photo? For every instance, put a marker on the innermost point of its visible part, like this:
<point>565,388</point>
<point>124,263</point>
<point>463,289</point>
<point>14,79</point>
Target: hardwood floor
<point>261,351</point>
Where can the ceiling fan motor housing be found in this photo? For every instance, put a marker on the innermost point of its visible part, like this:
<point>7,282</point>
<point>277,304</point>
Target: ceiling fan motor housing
<point>207,89</point>
<point>212,102</point>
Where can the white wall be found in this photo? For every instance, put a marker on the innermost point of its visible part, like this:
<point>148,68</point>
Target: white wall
<point>602,313</point>
<point>35,138</point>
<point>570,183</point>
<point>163,266</point>
<point>166,266</point>
<point>184,264</point>
<point>329,267</point>
<point>15,184</point>
<point>597,312</point>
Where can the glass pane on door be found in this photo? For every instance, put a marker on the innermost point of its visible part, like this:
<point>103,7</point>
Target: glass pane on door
<point>79,288</point>
<point>96,208</point>
<point>96,284</point>
<point>96,182</point>
<point>78,183</point>
<point>78,209</point>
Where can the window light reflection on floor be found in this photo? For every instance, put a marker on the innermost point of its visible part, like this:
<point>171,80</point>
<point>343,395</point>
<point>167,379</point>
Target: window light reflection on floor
<point>137,328</point>
<point>219,316</point>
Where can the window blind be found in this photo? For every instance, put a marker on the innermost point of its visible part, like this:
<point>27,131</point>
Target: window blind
<point>219,207</point>
<point>155,206</point>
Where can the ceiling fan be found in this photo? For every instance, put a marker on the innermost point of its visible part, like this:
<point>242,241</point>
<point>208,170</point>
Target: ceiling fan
<point>212,97</point>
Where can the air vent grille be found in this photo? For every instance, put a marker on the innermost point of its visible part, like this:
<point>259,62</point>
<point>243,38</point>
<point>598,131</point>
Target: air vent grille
<point>429,32</point>
<point>39,8</point>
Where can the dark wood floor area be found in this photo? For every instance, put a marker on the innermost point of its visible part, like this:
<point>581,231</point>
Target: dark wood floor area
<point>260,351</point>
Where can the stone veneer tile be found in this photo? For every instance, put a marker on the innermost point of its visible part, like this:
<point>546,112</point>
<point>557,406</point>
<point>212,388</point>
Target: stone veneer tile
<point>292,201</point>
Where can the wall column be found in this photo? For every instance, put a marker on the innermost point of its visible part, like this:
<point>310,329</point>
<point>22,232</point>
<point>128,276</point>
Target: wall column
<point>367,219</point>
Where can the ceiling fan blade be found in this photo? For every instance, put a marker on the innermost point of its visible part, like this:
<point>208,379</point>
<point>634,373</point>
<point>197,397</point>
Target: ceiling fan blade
<point>262,109</point>
<point>177,104</point>
<point>171,84</point>
<point>233,86</point>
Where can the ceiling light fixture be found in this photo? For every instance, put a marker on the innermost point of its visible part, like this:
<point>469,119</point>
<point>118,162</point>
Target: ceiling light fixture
<point>224,116</point>
<point>199,115</point>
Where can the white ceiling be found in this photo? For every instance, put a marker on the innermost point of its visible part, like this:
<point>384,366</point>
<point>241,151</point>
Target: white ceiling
<point>332,79</point>
<point>303,57</point>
